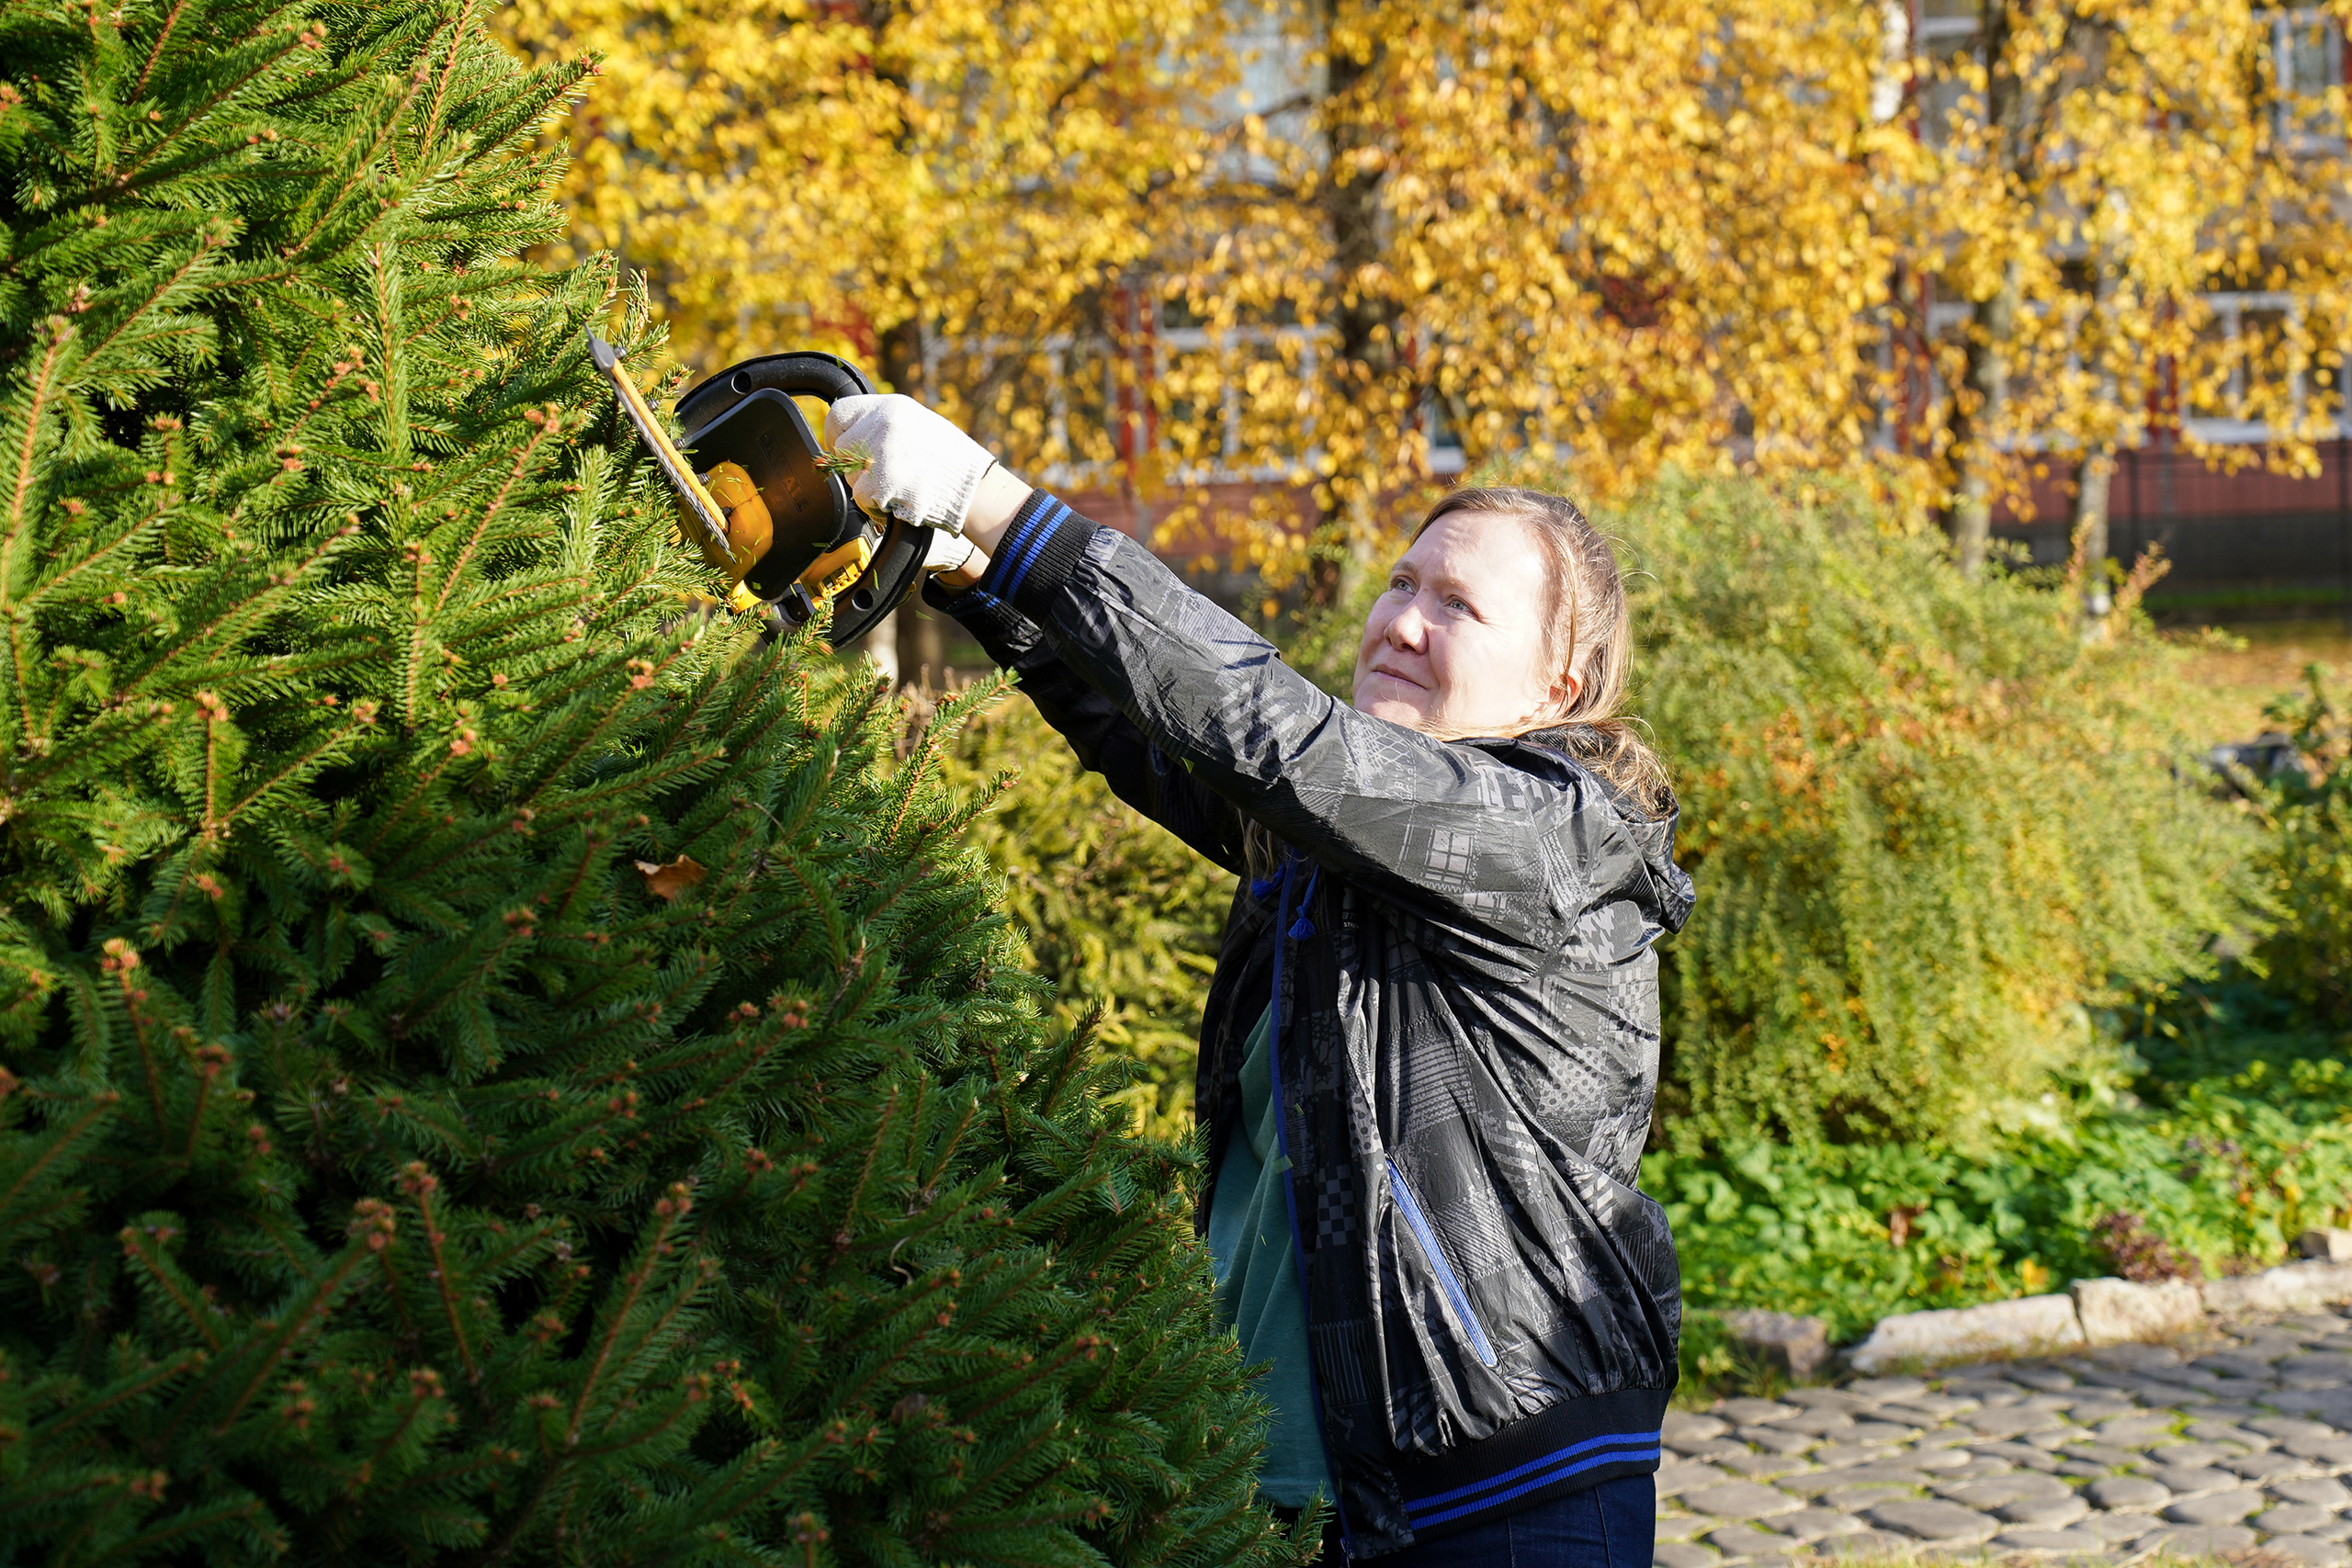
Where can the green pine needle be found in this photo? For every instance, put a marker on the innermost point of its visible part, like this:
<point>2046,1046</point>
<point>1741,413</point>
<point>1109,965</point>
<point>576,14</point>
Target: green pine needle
<point>847,458</point>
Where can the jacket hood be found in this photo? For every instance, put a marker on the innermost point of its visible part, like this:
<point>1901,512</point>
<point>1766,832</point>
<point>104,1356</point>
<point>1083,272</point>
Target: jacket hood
<point>1664,892</point>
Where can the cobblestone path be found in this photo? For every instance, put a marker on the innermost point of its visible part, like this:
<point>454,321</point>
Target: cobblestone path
<point>2241,1441</point>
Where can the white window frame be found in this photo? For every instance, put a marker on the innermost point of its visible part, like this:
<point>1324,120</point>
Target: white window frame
<point>2283,25</point>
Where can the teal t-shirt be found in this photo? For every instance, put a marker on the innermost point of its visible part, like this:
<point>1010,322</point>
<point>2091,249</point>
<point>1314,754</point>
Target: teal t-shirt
<point>1257,1281</point>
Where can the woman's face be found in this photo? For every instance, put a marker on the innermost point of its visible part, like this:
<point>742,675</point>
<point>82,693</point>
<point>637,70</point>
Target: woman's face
<point>1456,645</point>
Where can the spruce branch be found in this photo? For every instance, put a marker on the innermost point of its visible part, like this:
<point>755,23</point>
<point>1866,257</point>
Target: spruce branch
<point>125,541</point>
<point>372,1231</point>
<point>420,1184</point>
<point>210,1062</point>
<point>542,430</point>
<point>668,1219</point>
<point>45,1439</point>
<point>845,459</point>
<point>155,50</point>
<point>143,1245</point>
<point>46,1160</point>
<point>180,1530</point>
<point>168,289</point>
<point>40,391</point>
<point>122,961</point>
<point>457,26</point>
<point>326,203</point>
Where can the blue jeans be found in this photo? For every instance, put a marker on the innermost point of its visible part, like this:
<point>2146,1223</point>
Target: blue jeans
<point>1612,1524</point>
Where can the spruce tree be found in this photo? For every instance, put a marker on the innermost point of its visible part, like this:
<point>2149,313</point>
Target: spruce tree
<point>495,1070</point>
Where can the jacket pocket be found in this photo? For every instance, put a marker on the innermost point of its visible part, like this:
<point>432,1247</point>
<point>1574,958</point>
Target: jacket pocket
<point>1459,1299</point>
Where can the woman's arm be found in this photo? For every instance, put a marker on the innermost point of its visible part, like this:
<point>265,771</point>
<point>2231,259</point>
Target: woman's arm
<point>1505,858</point>
<point>996,500</point>
<point>1444,831</point>
<point>1103,738</point>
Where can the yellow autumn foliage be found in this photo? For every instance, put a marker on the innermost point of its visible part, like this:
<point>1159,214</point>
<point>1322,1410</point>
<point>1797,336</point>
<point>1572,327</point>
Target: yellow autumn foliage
<point>1166,243</point>
<point>2087,179</point>
<point>829,176</point>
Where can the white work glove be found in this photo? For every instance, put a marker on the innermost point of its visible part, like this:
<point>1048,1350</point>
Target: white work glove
<point>919,468</point>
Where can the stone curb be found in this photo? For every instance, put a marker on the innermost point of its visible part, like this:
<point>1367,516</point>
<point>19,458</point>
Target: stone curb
<point>2094,1312</point>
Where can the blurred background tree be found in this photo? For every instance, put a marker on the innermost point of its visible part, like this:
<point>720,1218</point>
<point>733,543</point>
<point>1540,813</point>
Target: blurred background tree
<point>855,176</point>
<point>2082,177</point>
<point>1627,238</point>
<point>1615,237</point>
<point>1258,266</point>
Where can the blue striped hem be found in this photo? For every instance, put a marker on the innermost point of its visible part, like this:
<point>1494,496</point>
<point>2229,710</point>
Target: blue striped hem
<point>1033,539</point>
<point>1558,1465</point>
<point>997,562</point>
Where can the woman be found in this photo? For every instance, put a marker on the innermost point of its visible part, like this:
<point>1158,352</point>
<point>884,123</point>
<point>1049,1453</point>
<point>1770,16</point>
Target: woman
<point>1430,1045</point>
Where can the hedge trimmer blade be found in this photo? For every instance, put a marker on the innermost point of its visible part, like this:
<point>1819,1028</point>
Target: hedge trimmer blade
<point>692,497</point>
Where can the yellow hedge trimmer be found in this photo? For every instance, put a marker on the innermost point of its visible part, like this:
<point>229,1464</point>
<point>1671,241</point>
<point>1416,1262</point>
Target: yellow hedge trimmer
<point>763,503</point>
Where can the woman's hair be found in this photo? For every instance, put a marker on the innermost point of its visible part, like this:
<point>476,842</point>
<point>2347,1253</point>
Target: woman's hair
<point>1587,635</point>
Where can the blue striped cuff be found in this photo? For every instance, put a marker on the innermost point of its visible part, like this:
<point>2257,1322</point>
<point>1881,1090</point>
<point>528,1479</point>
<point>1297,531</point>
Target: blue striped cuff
<point>1037,553</point>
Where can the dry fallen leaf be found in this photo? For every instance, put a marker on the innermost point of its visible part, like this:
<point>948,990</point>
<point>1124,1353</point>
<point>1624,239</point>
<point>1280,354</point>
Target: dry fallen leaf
<point>666,882</point>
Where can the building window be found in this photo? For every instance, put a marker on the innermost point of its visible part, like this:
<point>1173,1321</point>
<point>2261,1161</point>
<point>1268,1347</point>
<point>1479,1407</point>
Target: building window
<point>2307,63</point>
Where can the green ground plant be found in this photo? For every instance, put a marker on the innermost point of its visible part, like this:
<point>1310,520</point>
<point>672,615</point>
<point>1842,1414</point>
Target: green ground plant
<point>1715,1364</point>
<point>491,1069</point>
<point>2233,1135</point>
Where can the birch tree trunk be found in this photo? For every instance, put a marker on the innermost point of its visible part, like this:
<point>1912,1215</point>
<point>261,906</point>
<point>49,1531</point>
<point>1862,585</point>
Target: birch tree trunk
<point>1368,314</point>
<point>1988,387</point>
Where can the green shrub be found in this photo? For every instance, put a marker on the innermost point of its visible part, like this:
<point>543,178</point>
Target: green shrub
<point>2308,958</point>
<point>1117,912</point>
<point>490,1073</point>
<point>1930,824</point>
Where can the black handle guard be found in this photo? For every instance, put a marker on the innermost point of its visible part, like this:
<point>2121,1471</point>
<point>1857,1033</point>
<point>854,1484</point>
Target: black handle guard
<point>893,574</point>
<point>800,375</point>
<point>897,565</point>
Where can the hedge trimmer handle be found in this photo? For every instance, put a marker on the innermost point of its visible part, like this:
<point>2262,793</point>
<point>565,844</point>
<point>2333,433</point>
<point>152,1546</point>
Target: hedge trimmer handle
<point>894,567</point>
<point>804,374</point>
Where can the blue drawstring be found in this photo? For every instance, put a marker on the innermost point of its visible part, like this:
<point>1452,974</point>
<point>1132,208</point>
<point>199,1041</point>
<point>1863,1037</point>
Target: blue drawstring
<point>1264,887</point>
<point>1302,928</point>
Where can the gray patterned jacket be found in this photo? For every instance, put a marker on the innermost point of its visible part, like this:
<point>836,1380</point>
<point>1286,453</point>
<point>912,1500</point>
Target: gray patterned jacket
<point>1467,1026</point>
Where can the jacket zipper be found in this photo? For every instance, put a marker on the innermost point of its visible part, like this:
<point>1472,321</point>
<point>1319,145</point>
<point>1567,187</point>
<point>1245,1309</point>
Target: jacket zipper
<point>1420,1226</point>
